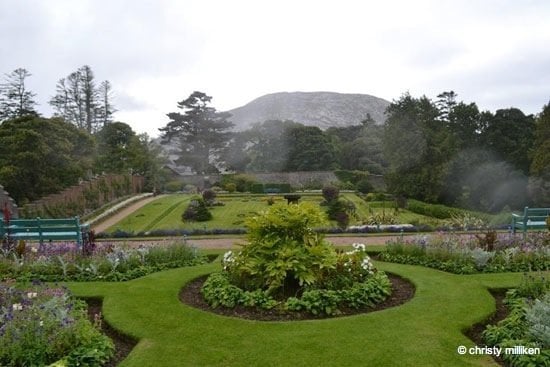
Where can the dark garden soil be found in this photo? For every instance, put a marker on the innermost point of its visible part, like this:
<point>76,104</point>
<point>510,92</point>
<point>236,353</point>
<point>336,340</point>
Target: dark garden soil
<point>123,343</point>
<point>501,313</point>
<point>402,291</point>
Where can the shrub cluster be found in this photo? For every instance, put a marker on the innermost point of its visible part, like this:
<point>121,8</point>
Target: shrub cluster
<point>469,254</point>
<point>358,180</point>
<point>238,182</point>
<point>196,211</point>
<point>433,210</point>
<point>284,258</point>
<point>337,209</point>
<point>528,323</point>
<point>41,325</point>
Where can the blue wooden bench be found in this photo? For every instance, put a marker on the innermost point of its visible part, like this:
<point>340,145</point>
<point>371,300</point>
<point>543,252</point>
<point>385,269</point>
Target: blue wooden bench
<point>45,229</point>
<point>532,218</point>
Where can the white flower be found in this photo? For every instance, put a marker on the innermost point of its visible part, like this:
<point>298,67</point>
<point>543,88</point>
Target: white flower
<point>358,246</point>
<point>228,259</point>
<point>17,306</point>
<point>32,295</point>
<point>366,264</point>
<point>34,249</point>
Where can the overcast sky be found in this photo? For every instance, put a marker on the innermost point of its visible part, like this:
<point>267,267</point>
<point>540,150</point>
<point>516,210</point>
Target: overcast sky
<point>157,52</point>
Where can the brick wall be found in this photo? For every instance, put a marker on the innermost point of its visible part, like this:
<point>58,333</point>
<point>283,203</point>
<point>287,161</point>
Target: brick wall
<point>106,187</point>
<point>6,199</point>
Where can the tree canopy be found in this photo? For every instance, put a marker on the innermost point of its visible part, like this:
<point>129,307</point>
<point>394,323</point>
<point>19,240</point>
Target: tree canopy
<point>80,101</point>
<point>200,132</point>
<point>16,100</point>
<point>40,156</point>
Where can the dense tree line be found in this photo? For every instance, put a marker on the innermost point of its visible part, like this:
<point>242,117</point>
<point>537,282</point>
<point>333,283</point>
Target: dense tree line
<point>204,141</point>
<point>40,156</point>
<point>445,151</point>
<point>450,152</point>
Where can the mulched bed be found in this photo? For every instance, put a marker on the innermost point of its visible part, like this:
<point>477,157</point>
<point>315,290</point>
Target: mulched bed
<point>123,343</point>
<point>501,313</point>
<point>402,291</point>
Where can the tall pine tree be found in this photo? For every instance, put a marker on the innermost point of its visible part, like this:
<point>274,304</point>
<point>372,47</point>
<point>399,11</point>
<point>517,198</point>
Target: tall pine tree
<point>200,132</point>
<point>15,99</point>
<point>78,100</point>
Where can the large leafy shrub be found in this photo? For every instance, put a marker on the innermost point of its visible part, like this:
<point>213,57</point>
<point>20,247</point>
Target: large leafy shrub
<point>285,258</point>
<point>283,252</point>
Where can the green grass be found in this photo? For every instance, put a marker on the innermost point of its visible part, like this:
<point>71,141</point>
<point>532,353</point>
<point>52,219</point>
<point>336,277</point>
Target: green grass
<point>365,209</point>
<point>147,217</point>
<point>165,213</point>
<point>425,331</point>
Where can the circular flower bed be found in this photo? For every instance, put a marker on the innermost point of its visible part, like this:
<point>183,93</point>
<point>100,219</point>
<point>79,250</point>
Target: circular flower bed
<point>288,267</point>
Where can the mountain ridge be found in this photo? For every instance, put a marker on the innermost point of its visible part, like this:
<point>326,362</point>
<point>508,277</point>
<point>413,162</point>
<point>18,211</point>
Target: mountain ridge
<point>322,109</point>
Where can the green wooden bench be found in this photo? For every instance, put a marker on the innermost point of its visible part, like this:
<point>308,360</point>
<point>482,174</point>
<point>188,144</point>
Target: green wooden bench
<point>45,229</point>
<point>532,218</point>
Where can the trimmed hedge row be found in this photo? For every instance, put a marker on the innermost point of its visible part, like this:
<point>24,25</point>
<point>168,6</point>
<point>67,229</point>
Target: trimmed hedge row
<point>270,188</point>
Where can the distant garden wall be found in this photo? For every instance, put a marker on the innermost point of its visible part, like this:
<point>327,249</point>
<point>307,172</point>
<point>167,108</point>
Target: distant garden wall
<point>298,180</point>
<point>84,197</point>
<point>5,199</point>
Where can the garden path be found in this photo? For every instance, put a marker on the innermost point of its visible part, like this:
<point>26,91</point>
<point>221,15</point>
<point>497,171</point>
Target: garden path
<point>219,243</point>
<point>230,242</point>
<point>114,219</point>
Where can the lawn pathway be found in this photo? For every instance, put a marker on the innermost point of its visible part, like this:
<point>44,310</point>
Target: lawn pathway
<point>425,331</point>
<point>100,227</point>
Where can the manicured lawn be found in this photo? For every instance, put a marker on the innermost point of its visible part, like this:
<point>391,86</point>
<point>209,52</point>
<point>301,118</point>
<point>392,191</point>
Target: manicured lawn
<point>165,213</point>
<point>425,331</point>
<point>152,214</point>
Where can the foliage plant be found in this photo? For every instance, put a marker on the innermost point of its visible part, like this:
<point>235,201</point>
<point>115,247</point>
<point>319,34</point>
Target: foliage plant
<point>65,261</point>
<point>209,196</point>
<point>528,323</point>
<point>286,261</point>
<point>41,325</point>
<point>472,254</point>
<point>197,211</point>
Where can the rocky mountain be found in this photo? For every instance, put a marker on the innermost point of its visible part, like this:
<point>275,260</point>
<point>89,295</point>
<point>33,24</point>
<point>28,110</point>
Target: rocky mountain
<point>322,109</point>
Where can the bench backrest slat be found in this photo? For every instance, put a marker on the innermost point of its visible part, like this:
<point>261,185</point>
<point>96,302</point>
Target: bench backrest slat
<point>40,229</point>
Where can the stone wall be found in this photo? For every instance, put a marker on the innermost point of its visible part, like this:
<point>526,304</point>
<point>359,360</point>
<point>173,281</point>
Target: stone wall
<point>298,180</point>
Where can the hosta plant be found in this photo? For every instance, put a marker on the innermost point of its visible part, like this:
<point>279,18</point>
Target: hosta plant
<point>285,261</point>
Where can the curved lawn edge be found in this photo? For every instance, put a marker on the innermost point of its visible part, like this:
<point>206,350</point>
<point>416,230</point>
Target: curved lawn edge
<point>424,331</point>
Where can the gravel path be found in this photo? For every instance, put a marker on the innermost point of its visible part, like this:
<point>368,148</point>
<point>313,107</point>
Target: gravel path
<point>228,243</point>
<point>102,226</point>
<point>223,243</point>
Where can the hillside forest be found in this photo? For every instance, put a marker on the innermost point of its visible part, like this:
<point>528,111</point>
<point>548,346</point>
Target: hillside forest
<point>440,150</point>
